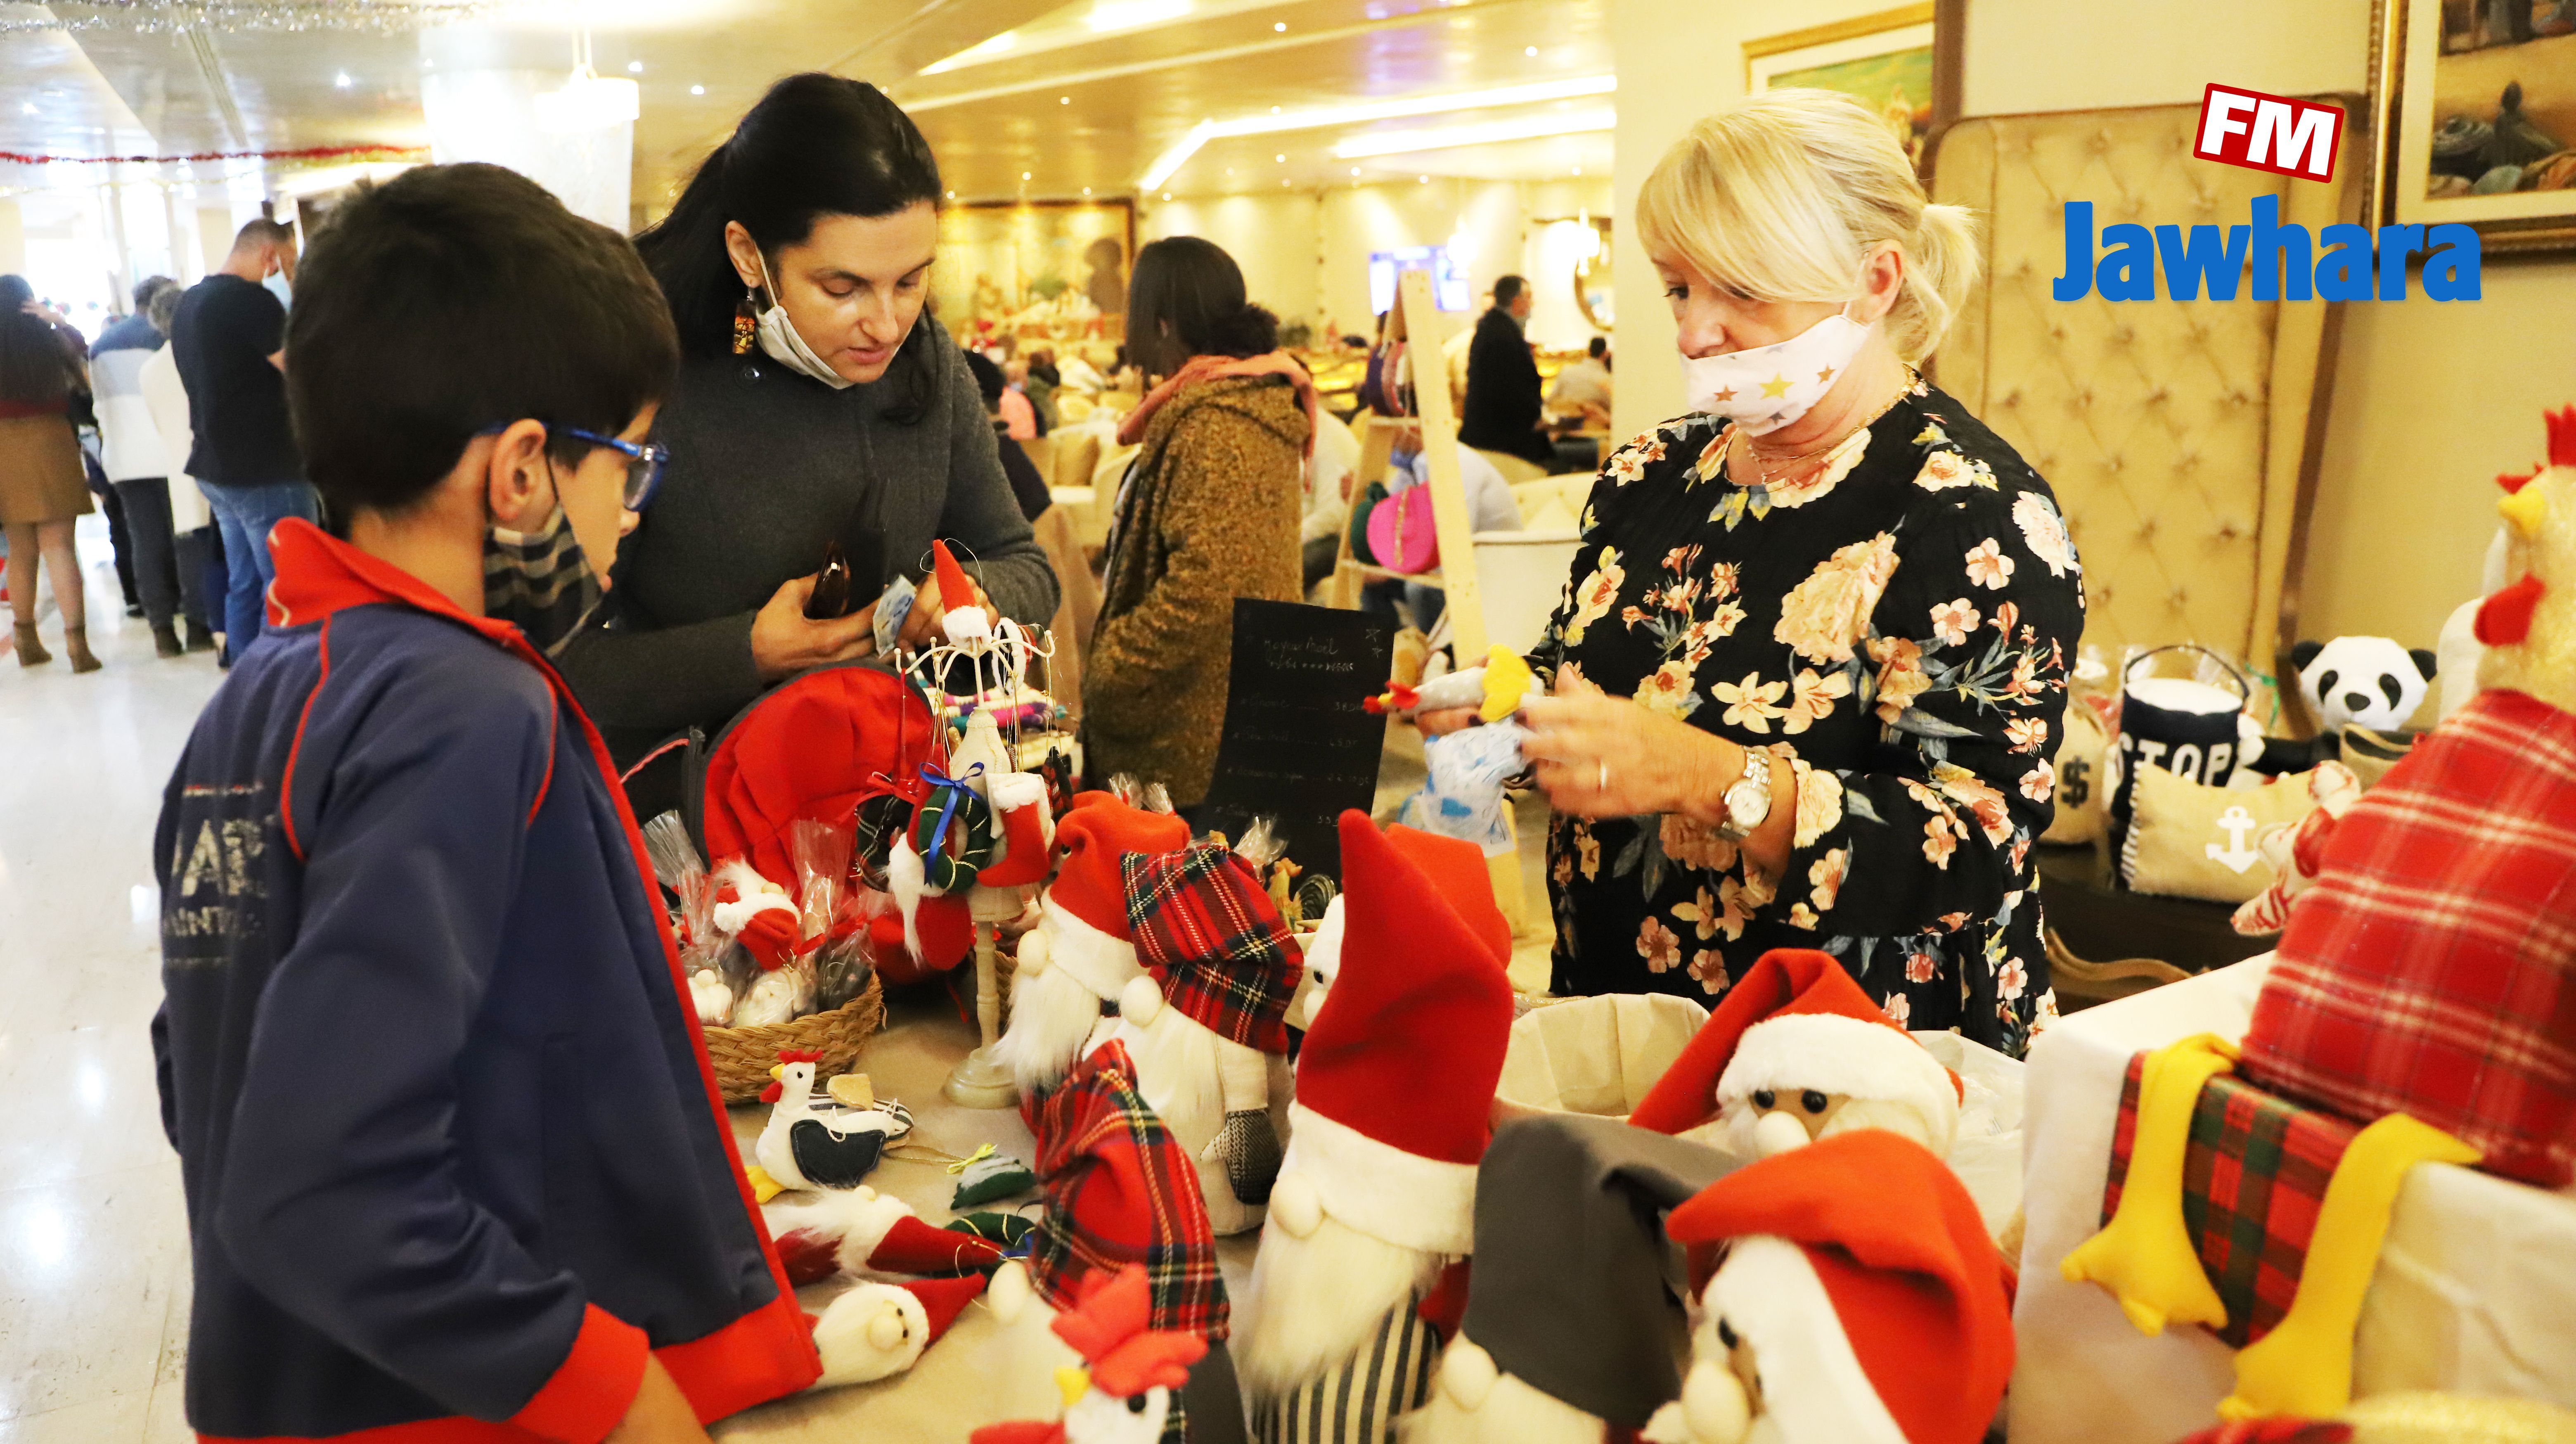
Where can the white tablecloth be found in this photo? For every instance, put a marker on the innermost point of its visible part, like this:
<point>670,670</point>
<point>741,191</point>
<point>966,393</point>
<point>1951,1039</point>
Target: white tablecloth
<point>2476,1289</point>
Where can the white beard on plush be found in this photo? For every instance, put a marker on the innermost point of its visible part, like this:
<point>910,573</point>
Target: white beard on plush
<point>1067,969</point>
<point>1317,1298</point>
<point>1474,1402</point>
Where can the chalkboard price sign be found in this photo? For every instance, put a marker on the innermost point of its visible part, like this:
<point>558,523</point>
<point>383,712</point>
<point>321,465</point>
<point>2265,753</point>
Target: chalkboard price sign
<point>1298,746</point>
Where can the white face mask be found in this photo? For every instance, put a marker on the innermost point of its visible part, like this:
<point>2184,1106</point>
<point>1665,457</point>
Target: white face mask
<point>1768,387</point>
<point>778,337</point>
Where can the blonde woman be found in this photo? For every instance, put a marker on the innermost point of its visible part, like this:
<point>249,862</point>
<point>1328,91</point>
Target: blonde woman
<point>1810,665</point>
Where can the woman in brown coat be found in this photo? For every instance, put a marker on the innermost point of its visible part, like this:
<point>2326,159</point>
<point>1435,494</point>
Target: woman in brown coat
<point>1208,513</point>
<point>43,487</point>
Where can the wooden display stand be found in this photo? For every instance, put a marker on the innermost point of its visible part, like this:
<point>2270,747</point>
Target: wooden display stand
<point>1416,314</point>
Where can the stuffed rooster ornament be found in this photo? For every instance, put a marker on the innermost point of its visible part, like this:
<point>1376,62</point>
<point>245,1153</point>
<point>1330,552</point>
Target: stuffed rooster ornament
<point>803,1148</point>
<point>2424,988</point>
<point>1125,1394</point>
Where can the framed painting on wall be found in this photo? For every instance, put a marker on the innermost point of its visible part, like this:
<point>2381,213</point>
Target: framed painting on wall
<point>2473,104</point>
<point>1036,272</point>
<point>1888,61</point>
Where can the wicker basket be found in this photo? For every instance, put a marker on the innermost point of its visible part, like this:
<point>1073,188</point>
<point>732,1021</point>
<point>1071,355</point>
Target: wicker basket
<point>744,1056</point>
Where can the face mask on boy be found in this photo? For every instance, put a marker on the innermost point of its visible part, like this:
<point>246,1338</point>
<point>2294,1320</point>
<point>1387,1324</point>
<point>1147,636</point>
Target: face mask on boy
<point>540,580</point>
<point>1768,387</point>
<point>779,338</point>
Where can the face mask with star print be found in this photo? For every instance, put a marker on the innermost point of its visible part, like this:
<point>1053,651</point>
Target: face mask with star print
<point>1768,387</point>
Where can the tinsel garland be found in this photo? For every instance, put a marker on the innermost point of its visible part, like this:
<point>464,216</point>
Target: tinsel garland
<point>383,17</point>
<point>304,153</point>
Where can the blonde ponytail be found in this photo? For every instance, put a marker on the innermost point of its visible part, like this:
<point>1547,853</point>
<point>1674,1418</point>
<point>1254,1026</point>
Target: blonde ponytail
<point>1782,196</point>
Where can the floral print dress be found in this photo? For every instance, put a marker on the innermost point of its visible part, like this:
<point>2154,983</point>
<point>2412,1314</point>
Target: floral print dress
<point>1895,620</point>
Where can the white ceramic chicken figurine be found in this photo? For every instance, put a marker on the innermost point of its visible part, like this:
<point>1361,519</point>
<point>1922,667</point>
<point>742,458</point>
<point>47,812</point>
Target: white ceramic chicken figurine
<point>801,1148</point>
<point>1125,1395</point>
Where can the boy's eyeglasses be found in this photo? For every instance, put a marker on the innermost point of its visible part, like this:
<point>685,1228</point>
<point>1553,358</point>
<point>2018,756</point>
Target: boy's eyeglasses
<point>645,462</point>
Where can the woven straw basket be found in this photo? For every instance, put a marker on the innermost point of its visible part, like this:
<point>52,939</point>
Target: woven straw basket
<point>744,1056</point>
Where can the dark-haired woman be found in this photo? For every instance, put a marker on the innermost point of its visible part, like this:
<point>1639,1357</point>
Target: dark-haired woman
<point>43,487</point>
<point>815,401</point>
<point>1208,513</point>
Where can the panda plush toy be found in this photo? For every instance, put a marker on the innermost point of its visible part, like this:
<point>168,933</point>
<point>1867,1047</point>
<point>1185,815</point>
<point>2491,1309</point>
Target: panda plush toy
<point>2367,680</point>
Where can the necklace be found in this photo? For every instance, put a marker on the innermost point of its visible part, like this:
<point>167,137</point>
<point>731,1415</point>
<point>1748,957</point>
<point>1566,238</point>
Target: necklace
<point>1767,470</point>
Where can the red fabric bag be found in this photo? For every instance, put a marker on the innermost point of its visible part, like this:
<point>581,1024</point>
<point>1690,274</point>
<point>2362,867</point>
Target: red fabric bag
<point>814,747</point>
<point>2431,968</point>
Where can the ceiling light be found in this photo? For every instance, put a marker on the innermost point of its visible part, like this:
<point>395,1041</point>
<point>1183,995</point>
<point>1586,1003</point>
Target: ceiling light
<point>1128,14</point>
<point>341,80</point>
<point>1229,170</point>
<point>1274,110</point>
<point>1173,159</point>
<point>986,50</point>
<point>1401,142</point>
<point>1086,190</point>
<point>1355,170</point>
<point>1426,180</point>
<point>635,67</point>
<point>1578,170</point>
<point>1281,27</point>
<point>1167,195</point>
<point>1531,51</point>
<point>1064,100</point>
<point>587,102</point>
<point>697,90</point>
<point>1283,160</point>
<point>952,195</point>
<point>1024,175</point>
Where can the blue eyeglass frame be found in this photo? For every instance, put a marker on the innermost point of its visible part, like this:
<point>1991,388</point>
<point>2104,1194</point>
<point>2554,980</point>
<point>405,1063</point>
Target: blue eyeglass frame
<point>651,458</point>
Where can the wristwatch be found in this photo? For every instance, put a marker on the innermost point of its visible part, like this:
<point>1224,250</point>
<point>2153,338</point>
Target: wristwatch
<point>1748,802</point>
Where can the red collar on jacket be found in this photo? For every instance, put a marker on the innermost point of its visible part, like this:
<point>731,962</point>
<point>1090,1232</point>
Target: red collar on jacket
<point>318,574</point>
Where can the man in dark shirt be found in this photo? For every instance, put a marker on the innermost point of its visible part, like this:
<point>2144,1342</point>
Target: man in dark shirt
<point>1502,411</point>
<point>229,340</point>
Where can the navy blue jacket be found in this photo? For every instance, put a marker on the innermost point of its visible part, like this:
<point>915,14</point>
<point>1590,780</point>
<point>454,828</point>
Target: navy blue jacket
<point>453,1154</point>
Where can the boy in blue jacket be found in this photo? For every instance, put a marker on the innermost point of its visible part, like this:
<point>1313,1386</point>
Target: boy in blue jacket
<point>456,1165</point>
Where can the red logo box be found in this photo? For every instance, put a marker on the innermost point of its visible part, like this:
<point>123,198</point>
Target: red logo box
<point>2276,133</point>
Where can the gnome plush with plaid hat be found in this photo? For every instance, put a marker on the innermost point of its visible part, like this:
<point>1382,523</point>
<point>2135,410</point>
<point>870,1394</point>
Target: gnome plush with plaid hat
<point>1206,1029</point>
<point>1375,1201</point>
<point>1854,1300</point>
<point>1120,1193</point>
<point>1082,953</point>
<point>1796,1052</point>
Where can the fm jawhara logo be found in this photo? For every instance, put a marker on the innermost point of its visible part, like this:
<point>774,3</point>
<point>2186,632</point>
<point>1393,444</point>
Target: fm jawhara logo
<point>2285,136</point>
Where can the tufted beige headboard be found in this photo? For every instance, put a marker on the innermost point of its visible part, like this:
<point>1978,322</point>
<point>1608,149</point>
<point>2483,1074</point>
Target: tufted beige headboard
<point>2180,436</point>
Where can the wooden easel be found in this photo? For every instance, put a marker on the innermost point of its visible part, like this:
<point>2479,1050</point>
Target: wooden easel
<point>1417,315</point>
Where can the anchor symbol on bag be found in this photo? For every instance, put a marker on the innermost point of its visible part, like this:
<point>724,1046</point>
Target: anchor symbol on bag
<point>2236,822</point>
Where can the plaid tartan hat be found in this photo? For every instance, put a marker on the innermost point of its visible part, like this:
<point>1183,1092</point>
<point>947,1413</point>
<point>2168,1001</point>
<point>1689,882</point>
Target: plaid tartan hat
<point>1209,931</point>
<point>1120,1191</point>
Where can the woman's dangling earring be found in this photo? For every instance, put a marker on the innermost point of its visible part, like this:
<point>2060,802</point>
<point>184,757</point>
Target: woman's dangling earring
<point>746,324</point>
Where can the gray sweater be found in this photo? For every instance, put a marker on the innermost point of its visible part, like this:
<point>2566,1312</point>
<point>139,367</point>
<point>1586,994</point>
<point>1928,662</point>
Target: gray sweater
<point>766,466</point>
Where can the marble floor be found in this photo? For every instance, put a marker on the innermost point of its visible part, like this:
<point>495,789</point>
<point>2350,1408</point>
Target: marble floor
<point>93,1234</point>
<point>93,1237</point>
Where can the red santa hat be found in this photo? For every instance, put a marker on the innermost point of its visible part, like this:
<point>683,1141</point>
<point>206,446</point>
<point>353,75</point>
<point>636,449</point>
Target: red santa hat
<point>1862,1277</point>
<point>1395,1085</point>
<point>1223,956</point>
<point>867,1232</point>
<point>874,1330</point>
<point>1458,869</point>
<point>1797,1022</point>
<point>1120,1191</point>
<point>1085,910</point>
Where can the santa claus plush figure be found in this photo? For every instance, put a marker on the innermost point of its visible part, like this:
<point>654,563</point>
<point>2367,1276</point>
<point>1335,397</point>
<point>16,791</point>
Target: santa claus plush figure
<point>1456,870</point>
<point>1082,952</point>
<point>1855,1300</point>
<point>1205,1027</point>
<point>1376,1197</point>
<point>1796,1052</point>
